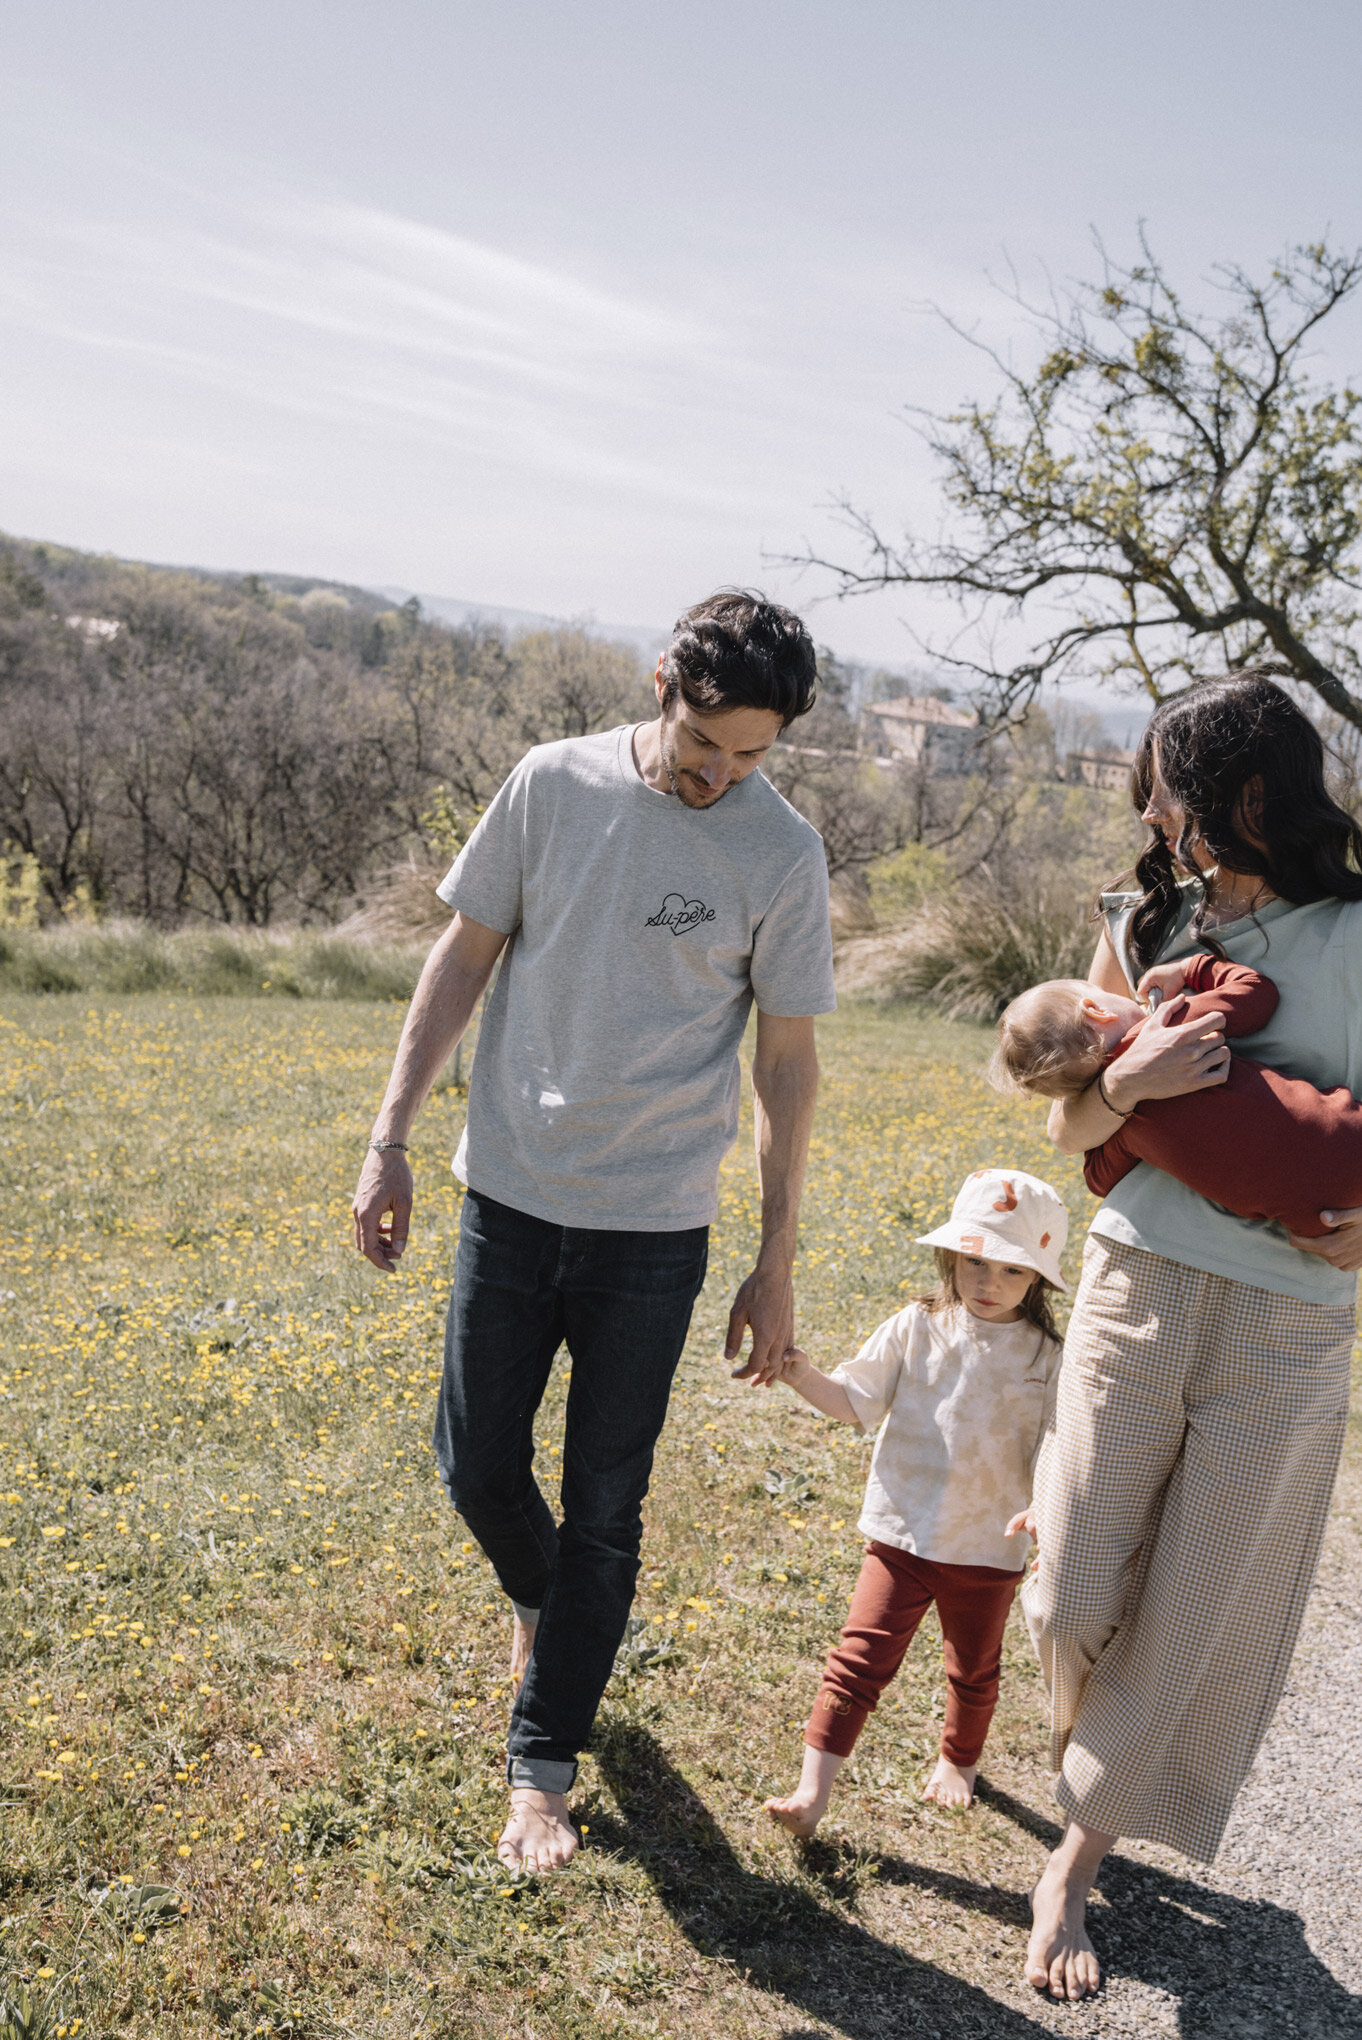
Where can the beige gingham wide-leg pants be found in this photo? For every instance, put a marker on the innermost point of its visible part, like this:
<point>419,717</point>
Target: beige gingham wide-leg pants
<point>1180,1504</point>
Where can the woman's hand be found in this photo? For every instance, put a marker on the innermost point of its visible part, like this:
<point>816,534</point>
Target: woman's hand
<point>1025,1521</point>
<point>1169,1058</point>
<point>1341,1248</point>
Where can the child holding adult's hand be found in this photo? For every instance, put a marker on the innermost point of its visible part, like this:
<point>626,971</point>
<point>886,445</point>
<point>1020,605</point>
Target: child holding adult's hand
<point>960,1388</point>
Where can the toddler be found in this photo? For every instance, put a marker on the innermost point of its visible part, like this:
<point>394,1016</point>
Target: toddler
<point>1262,1145</point>
<point>960,1387</point>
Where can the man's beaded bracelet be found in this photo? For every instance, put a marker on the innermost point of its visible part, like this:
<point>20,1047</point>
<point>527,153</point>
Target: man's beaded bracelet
<point>383,1147</point>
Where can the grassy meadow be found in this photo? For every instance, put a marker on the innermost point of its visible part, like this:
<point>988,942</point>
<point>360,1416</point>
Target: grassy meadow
<point>252,1676</point>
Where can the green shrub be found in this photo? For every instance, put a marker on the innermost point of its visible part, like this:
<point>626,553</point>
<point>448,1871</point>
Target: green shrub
<point>969,952</point>
<point>129,957</point>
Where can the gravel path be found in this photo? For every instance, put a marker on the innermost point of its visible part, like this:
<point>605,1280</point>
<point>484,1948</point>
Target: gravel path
<point>1268,1942</point>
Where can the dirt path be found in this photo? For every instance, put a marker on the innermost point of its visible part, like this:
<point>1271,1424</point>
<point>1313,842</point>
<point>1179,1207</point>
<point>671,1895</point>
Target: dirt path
<point>1268,1942</point>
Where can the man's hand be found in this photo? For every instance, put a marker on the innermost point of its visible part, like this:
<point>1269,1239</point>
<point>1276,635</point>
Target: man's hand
<point>765,1306</point>
<point>382,1209</point>
<point>1341,1248</point>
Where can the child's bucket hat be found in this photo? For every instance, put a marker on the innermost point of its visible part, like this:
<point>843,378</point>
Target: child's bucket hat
<point>1006,1215</point>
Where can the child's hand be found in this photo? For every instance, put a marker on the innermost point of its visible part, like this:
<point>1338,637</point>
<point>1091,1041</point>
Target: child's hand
<point>793,1367</point>
<point>1025,1521</point>
<point>1166,979</point>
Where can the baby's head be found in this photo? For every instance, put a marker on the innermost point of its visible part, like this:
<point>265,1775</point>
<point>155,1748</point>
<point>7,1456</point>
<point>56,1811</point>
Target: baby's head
<point>1054,1038</point>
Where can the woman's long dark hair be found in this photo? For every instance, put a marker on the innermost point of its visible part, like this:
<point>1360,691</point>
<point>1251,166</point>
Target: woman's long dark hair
<point>1232,752</point>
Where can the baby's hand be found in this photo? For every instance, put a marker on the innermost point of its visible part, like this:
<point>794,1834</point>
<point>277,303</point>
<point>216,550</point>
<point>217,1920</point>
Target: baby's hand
<point>1026,1521</point>
<point>1165,979</point>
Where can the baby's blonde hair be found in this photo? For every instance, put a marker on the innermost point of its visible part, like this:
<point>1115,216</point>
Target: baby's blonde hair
<point>1044,1043</point>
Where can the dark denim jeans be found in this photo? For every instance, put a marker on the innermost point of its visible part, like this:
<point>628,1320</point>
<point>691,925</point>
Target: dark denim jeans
<point>622,1302</point>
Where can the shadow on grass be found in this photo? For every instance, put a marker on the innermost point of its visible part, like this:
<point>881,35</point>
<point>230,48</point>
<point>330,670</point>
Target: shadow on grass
<point>1239,1968</point>
<point>772,1931</point>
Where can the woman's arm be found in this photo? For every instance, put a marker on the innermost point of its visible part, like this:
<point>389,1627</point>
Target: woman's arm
<point>1161,1062</point>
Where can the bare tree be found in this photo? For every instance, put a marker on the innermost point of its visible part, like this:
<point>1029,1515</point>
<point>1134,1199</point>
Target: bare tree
<point>1172,492</point>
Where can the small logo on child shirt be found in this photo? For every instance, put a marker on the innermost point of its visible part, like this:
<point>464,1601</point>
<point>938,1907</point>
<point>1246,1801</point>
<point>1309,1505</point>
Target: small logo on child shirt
<point>678,913</point>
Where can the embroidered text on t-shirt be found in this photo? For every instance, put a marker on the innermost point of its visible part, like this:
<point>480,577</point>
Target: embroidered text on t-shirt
<point>679,914</point>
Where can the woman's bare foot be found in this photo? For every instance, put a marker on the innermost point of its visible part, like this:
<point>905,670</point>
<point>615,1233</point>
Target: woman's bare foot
<point>539,1834</point>
<point>801,1812</point>
<point>951,1784</point>
<point>1060,1959</point>
<point>522,1643</point>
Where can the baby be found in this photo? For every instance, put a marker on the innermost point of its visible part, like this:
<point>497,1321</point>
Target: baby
<point>1263,1145</point>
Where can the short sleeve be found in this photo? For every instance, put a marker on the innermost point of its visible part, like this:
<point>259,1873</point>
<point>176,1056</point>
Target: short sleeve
<point>872,1377</point>
<point>791,968</point>
<point>486,878</point>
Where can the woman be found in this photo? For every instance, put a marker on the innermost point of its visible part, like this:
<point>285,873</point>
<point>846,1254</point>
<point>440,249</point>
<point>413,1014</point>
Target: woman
<point>1181,1501</point>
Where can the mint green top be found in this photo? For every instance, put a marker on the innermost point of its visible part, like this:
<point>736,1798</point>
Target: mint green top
<point>1314,957</point>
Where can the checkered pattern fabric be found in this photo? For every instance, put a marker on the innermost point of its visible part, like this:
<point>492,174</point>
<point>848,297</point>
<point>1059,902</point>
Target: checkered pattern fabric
<point>1180,1504</point>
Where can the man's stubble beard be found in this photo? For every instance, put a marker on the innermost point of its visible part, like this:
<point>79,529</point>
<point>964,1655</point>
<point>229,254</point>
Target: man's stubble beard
<point>677,782</point>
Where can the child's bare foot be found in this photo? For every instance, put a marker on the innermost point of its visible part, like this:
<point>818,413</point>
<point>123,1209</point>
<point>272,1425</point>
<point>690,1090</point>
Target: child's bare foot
<point>522,1643</point>
<point>539,1834</point>
<point>800,1813</point>
<point>951,1784</point>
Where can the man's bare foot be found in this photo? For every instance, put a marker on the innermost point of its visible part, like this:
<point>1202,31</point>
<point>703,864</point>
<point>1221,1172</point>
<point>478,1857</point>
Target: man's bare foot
<point>522,1643</point>
<point>951,1784</point>
<point>539,1834</point>
<point>801,1812</point>
<point>1060,1959</point>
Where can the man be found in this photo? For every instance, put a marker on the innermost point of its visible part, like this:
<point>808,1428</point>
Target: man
<point>643,888</point>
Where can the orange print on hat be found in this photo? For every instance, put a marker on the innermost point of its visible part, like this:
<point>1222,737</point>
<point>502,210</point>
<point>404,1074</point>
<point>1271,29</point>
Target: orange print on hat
<point>1045,1239</point>
<point>1008,1200</point>
<point>972,1242</point>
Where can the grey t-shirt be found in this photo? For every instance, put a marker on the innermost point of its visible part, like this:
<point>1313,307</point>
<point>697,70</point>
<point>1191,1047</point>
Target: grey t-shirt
<point>605,1087</point>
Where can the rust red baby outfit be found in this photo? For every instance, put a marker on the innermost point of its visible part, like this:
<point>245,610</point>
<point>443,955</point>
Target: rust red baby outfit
<point>1262,1144</point>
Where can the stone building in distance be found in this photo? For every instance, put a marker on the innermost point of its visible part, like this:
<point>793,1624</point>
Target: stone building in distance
<point>921,729</point>
<point>1109,770</point>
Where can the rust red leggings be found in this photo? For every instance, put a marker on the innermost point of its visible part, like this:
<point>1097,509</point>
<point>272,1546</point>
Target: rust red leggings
<point>892,1595</point>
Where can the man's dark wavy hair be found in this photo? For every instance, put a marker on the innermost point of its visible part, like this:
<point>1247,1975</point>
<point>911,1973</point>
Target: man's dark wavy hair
<point>1238,753</point>
<point>737,650</point>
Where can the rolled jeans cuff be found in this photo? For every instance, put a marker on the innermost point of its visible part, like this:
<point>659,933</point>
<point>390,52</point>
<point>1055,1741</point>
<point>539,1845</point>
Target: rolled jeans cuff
<point>541,1774</point>
<point>529,1616</point>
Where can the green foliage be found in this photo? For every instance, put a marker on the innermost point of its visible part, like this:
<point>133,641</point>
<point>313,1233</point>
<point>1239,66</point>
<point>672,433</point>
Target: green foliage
<point>20,2017</point>
<point>970,955</point>
<point>20,891</point>
<point>445,827</point>
<point>129,957</point>
<point>903,881</point>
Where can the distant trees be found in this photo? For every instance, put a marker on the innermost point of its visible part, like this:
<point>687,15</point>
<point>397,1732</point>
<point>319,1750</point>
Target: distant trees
<point>1167,495</point>
<point>184,747</point>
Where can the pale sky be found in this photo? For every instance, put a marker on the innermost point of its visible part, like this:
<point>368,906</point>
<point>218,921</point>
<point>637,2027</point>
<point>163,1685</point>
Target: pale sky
<point>587,309</point>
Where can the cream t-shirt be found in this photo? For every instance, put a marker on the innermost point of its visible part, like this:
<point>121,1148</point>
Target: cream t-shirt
<point>961,1407</point>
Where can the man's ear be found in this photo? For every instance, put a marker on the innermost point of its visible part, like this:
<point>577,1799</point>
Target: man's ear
<point>659,684</point>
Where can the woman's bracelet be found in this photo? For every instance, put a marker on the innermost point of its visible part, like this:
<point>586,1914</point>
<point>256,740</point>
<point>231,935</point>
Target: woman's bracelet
<point>1102,1094</point>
